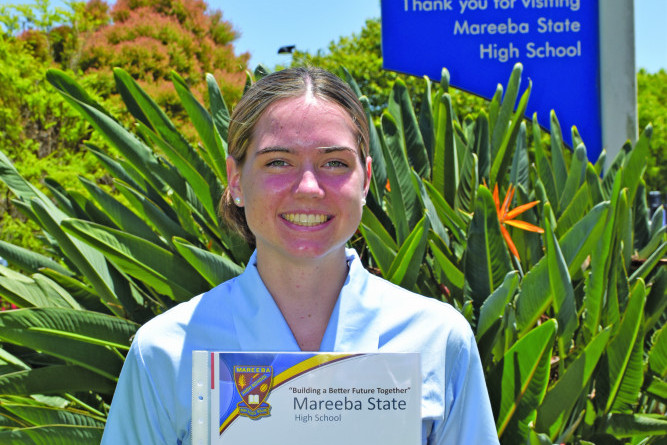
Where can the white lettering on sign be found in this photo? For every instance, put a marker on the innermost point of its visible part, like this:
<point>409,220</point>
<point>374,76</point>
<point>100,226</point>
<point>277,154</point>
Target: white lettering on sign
<point>548,51</point>
<point>509,27</point>
<point>545,25</point>
<point>472,5</point>
<point>428,5</point>
<point>499,53</point>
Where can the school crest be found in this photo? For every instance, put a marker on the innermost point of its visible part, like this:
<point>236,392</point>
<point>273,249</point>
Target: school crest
<point>253,384</point>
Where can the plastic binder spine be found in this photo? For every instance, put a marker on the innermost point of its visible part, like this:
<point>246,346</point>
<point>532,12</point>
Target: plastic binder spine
<point>201,406</point>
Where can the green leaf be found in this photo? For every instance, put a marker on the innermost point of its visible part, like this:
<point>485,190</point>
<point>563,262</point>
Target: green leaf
<point>401,109</point>
<point>54,435</point>
<point>486,259</point>
<point>45,415</point>
<point>615,362</point>
<point>26,327</point>
<point>136,152</point>
<point>55,379</point>
<point>203,123</point>
<point>448,268</point>
<point>446,214</point>
<point>430,210</point>
<point>575,177</point>
<point>38,291</point>
<point>597,279</point>
<point>561,288</point>
<point>403,196</point>
<point>494,306</point>
<point>574,210</point>
<point>25,191</point>
<point>562,397</point>
<point>426,124</point>
<point>657,388</point>
<point>628,425</point>
<point>502,121</point>
<point>545,172</point>
<point>124,218</point>
<point>635,163</point>
<point>469,182</point>
<point>90,262</point>
<point>167,225</point>
<point>520,173</point>
<point>633,379</point>
<point>380,243</point>
<point>219,112</point>
<point>379,169</point>
<point>482,145</point>
<point>215,268</point>
<point>167,273</point>
<point>656,301</point>
<point>502,157</point>
<point>196,175</point>
<point>657,356</point>
<point>557,159</point>
<point>645,269</point>
<point>405,267</point>
<point>525,375</point>
<point>27,260</point>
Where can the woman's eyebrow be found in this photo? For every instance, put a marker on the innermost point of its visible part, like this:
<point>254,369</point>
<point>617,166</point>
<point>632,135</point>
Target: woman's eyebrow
<point>336,148</point>
<point>273,149</point>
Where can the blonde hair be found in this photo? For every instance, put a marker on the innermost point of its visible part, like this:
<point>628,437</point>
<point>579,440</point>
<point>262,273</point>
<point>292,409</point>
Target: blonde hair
<point>288,83</point>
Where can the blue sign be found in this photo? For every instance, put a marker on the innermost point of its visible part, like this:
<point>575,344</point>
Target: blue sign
<point>479,41</point>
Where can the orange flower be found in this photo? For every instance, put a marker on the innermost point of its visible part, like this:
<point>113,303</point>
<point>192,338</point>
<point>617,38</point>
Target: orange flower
<point>388,186</point>
<point>506,216</point>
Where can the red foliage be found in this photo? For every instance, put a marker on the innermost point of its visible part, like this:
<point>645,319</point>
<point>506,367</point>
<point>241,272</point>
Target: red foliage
<point>150,38</point>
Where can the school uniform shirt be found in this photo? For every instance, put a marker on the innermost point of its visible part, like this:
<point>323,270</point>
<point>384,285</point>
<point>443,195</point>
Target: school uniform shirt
<point>152,402</point>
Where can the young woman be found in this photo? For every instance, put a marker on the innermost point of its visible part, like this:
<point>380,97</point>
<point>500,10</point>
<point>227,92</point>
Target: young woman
<point>298,172</point>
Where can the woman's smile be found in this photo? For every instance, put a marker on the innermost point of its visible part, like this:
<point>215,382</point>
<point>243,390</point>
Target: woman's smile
<point>306,219</point>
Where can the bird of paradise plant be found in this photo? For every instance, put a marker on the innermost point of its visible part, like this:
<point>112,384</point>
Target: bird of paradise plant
<point>507,216</point>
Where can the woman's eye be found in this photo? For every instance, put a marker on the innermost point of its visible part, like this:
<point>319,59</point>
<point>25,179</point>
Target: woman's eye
<point>335,164</point>
<point>276,163</point>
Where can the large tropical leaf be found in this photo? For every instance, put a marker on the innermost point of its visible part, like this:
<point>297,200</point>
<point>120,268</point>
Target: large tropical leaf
<point>520,381</point>
<point>54,435</point>
<point>403,196</point>
<point>401,109</point>
<point>55,379</point>
<point>88,339</point>
<point>561,398</point>
<point>165,271</point>
<point>619,351</point>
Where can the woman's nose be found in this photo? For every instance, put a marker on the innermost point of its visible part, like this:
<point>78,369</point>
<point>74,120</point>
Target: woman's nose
<point>308,185</point>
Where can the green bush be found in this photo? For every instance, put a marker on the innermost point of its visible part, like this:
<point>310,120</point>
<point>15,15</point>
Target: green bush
<point>570,328</point>
<point>651,108</point>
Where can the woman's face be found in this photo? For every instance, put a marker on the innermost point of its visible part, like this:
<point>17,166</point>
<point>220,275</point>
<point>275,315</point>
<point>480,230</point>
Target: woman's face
<point>302,181</point>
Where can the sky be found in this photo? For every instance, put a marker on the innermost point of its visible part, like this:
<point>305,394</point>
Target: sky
<point>266,25</point>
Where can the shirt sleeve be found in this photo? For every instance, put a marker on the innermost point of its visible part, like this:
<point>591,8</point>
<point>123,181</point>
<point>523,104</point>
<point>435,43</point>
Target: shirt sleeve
<point>468,416</point>
<point>137,414</point>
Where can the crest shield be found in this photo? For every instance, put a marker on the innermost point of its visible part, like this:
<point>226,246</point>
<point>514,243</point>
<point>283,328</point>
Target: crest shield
<point>253,385</point>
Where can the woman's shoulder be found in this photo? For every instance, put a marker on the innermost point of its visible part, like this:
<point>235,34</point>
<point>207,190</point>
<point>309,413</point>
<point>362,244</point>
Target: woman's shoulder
<point>183,322</point>
<point>419,316</point>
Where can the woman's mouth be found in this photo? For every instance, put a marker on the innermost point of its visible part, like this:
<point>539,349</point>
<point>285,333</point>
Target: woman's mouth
<point>306,219</point>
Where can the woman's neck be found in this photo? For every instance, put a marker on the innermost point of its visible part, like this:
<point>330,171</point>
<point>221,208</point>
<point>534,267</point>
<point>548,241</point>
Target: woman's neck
<point>306,293</point>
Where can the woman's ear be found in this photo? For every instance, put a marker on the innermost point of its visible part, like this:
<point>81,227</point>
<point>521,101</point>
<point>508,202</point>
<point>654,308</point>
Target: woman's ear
<point>369,172</point>
<point>234,180</point>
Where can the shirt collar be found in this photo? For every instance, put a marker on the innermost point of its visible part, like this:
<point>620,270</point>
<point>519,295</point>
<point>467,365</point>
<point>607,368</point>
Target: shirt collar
<point>260,325</point>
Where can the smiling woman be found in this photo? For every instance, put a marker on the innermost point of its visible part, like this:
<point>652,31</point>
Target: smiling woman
<point>298,173</point>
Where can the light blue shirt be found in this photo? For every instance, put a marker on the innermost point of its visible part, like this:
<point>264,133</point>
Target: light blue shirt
<point>152,402</point>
